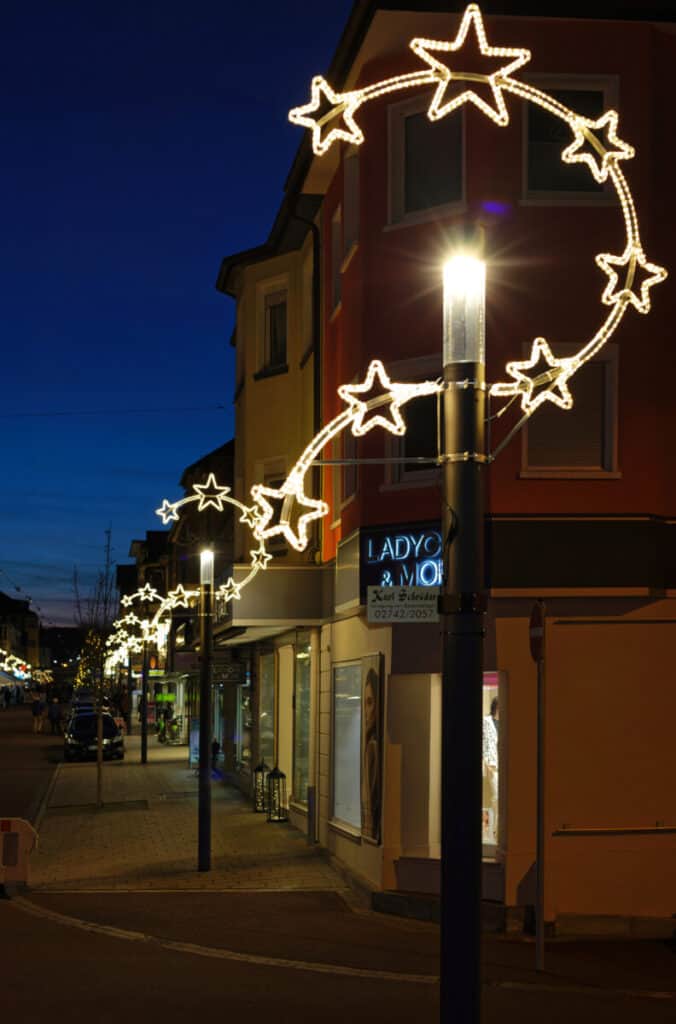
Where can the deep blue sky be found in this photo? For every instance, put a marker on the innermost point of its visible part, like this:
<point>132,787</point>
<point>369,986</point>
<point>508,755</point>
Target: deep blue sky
<point>141,142</point>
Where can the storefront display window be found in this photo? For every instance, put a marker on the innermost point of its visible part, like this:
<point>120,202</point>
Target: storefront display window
<point>347,741</point>
<point>243,740</point>
<point>301,723</point>
<point>266,709</point>
<point>491,762</point>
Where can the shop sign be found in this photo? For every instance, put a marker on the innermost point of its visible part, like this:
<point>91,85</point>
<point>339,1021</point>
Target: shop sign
<point>401,556</point>
<point>402,604</point>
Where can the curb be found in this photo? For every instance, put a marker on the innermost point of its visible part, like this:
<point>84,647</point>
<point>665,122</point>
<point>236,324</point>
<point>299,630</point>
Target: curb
<point>44,803</point>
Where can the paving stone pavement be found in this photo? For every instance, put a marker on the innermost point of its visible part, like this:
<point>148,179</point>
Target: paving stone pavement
<point>145,836</point>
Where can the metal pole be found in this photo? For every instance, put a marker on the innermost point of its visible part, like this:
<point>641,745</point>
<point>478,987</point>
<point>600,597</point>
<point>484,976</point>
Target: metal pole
<point>130,687</point>
<point>540,850</point>
<point>463,604</point>
<point>204,811</point>
<point>144,705</point>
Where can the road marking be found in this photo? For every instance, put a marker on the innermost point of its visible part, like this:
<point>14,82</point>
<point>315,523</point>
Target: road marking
<point>220,954</point>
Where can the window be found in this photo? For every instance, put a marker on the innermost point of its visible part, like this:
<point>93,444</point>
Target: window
<point>581,441</point>
<point>301,722</point>
<point>350,201</point>
<point>426,161</point>
<point>420,440</point>
<point>266,709</point>
<point>347,744</point>
<point>546,137</point>
<point>336,257</point>
<point>275,330</point>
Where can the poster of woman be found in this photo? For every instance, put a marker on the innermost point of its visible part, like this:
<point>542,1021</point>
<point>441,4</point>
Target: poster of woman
<point>371,746</point>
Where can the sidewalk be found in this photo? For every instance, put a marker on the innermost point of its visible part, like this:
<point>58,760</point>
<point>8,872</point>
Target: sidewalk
<point>145,836</point>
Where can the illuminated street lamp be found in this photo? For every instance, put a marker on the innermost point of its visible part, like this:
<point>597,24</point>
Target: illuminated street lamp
<point>204,811</point>
<point>463,606</point>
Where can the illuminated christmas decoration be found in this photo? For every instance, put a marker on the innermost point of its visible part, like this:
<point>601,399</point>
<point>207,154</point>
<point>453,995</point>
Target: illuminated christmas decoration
<point>392,395</point>
<point>596,143</point>
<point>15,665</point>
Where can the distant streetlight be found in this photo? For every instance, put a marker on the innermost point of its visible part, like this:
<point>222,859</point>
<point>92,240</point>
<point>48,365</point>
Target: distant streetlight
<point>204,812</point>
<point>463,605</point>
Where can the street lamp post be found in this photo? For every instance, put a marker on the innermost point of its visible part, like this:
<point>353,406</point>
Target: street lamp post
<point>463,605</point>
<point>144,704</point>
<point>204,812</point>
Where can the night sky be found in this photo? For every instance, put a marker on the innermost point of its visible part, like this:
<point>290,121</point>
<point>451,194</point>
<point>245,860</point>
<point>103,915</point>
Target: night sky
<point>142,142</point>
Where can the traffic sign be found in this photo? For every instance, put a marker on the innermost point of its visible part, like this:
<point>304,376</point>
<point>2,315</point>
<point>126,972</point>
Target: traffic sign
<point>536,631</point>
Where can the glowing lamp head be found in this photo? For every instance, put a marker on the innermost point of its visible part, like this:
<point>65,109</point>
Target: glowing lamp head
<point>207,567</point>
<point>464,310</point>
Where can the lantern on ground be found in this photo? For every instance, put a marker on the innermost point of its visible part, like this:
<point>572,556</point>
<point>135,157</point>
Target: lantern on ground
<point>261,772</point>
<point>277,807</point>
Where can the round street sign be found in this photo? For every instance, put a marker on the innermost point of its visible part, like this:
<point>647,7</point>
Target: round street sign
<point>536,631</point>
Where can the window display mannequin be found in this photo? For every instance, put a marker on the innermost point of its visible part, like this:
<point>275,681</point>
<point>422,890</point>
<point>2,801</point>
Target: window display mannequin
<point>490,774</point>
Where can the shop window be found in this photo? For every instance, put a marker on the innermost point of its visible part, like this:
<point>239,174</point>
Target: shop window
<point>582,441</point>
<point>301,722</point>
<point>266,709</point>
<point>347,684</point>
<point>492,697</point>
<point>546,136</point>
<point>426,161</point>
<point>350,201</point>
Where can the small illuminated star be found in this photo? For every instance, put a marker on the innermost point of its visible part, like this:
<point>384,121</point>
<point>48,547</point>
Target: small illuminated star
<point>148,593</point>
<point>547,382</point>
<point>251,517</point>
<point>260,558</point>
<point>230,591</point>
<point>131,620</point>
<point>293,495</point>
<point>179,597</point>
<point>468,56</point>
<point>633,258</point>
<point>127,600</point>
<point>601,159</point>
<point>329,109</point>
<point>210,494</point>
<point>376,391</point>
<point>168,512</point>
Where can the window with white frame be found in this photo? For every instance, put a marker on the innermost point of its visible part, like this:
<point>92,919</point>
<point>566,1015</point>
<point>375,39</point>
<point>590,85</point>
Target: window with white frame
<point>546,136</point>
<point>350,201</point>
<point>421,416</point>
<point>582,441</point>
<point>426,159</point>
<point>275,326</point>
<point>336,257</point>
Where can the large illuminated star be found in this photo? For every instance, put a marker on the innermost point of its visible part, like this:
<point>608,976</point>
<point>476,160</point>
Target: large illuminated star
<point>148,593</point>
<point>210,494</point>
<point>601,159</point>
<point>324,114</point>
<point>179,597</point>
<point>633,258</point>
<point>264,498</point>
<point>547,381</point>
<point>377,390</point>
<point>168,512</point>
<point>470,51</point>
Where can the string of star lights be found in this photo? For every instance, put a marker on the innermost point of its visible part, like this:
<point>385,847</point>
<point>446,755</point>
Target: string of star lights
<point>331,118</point>
<point>17,666</point>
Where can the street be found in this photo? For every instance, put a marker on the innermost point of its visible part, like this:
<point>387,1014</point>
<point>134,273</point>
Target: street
<point>144,943</point>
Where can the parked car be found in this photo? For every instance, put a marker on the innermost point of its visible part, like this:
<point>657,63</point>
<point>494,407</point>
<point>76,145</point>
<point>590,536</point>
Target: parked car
<point>80,741</point>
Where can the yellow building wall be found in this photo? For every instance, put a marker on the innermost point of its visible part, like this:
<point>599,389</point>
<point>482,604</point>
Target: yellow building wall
<point>610,713</point>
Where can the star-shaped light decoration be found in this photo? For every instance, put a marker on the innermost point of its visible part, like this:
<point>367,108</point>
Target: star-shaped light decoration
<point>230,591</point>
<point>330,116</point>
<point>637,266</point>
<point>250,517</point>
<point>179,597</point>
<point>603,155</point>
<point>547,381</point>
<point>168,512</point>
<point>458,77</point>
<point>127,600</point>
<point>260,558</point>
<point>210,494</point>
<point>148,593</point>
<point>376,391</point>
<point>271,503</point>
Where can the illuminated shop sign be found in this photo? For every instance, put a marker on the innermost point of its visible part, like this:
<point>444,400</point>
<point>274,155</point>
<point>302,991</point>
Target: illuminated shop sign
<point>401,556</point>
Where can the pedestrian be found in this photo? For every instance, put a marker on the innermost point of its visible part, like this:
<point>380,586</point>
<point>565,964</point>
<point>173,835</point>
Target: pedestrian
<point>6,697</point>
<point>36,712</point>
<point>215,751</point>
<point>54,716</point>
